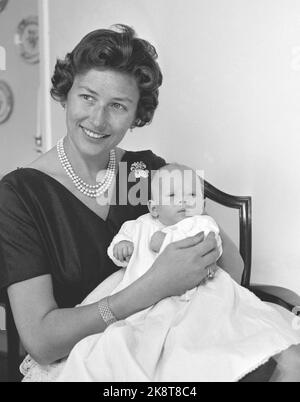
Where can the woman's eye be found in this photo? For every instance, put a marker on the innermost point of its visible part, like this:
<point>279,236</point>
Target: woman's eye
<point>172,195</point>
<point>118,106</point>
<point>88,98</point>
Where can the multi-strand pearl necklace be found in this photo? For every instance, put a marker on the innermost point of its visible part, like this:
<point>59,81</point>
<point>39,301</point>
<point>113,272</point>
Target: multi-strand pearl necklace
<point>89,190</point>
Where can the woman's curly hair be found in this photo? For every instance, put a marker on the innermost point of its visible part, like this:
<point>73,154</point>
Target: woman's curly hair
<point>117,50</point>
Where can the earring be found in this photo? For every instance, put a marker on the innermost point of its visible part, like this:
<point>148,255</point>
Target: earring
<point>135,124</point>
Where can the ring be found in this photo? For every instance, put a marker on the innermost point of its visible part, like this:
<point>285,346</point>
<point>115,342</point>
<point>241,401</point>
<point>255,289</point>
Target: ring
<point>210,273</point>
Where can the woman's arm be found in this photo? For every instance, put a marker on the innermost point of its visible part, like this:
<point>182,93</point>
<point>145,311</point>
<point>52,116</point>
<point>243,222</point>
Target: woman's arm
<point>231,260</point>
<point>49,333</point>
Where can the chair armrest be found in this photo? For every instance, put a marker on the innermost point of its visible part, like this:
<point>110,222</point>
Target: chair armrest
<point>276,294</point>
<point>2,312</point>
<point>2,317</point>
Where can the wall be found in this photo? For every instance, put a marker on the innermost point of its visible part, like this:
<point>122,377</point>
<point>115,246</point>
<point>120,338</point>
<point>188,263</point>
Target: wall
<point>229,103</point>
<point>17,134</point>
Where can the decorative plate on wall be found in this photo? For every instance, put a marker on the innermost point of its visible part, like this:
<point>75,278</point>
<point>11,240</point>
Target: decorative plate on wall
<point>6,101</point>
<point>3,4</point>
<point>27,38</point>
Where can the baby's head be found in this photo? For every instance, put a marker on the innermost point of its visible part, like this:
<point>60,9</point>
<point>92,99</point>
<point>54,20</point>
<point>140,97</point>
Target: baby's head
<point>176,193</point>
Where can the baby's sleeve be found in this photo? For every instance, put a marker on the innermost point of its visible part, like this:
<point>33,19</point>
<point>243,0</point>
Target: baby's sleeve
<point>127,232</point>
<point>177,232</point>
<point>207,224</point>
<point>190,227</point>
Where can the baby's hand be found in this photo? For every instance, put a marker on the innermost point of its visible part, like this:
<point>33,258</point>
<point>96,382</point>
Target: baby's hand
<point>157,240</point>
<point>123,250</point>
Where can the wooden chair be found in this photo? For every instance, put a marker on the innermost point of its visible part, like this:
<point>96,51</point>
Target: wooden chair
<point>243,204</point>
<point>273,294</point>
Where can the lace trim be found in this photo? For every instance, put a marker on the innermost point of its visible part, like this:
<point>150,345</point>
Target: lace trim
<point>34,372</point>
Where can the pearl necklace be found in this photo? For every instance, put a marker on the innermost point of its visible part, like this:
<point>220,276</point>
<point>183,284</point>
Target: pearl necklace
<point>89,190</point>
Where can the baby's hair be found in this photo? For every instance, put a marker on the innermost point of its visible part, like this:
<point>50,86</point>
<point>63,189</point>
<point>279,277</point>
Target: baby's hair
<point>173,167</point>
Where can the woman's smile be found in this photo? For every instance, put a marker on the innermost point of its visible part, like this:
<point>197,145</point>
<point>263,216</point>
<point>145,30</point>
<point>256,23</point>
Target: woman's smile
<point>93,134</point>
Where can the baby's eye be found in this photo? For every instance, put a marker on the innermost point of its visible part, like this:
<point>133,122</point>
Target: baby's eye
<point>172,195</point>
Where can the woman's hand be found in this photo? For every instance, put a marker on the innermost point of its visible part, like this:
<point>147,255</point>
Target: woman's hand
<point>183,265</point>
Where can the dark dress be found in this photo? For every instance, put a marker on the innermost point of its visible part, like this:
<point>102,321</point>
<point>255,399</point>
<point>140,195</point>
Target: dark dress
<point>45,229</point>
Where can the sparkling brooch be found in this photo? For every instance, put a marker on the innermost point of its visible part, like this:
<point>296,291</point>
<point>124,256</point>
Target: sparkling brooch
<point>139,169</point>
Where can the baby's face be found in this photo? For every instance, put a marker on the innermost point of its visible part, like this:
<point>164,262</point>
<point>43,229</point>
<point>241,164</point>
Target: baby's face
<point>176,195</point>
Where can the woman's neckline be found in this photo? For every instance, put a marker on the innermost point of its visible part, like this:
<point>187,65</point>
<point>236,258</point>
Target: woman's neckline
<point>57,182</point>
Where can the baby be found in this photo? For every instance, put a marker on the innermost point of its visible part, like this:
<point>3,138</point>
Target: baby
<point>176,211</point>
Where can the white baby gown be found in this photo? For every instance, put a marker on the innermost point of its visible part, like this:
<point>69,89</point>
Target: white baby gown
<point>216,332</point>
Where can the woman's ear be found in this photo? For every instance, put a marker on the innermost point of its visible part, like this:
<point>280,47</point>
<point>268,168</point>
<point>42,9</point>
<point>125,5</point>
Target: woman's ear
<point>153,208</point>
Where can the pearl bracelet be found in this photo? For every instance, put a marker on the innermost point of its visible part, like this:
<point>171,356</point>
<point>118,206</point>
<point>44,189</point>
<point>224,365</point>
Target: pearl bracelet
<point>105,311</point>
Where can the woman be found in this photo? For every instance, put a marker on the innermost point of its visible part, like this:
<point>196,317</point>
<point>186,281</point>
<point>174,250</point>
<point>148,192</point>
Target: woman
<point>54,234</point>
<point>54,231</point>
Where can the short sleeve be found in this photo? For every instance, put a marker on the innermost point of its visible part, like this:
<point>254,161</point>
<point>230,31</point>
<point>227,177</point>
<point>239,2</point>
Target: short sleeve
<point>156,161</point>
<point>21,251</point>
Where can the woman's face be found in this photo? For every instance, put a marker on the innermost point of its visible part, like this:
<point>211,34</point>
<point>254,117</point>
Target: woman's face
<point>100,108</point>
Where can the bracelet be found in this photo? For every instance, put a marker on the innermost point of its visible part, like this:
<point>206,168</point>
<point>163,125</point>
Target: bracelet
<point>105,311</point>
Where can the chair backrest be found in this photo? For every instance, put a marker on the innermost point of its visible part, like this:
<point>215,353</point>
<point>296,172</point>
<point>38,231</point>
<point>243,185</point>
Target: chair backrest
<point>244,205</point>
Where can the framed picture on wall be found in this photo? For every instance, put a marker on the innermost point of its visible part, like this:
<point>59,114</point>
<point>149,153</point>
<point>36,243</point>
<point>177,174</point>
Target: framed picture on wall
<point>27,39</point>
<point>3,4</point>
<point>6,101</point>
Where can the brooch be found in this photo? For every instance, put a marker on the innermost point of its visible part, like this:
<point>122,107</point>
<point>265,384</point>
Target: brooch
<point>139,169</point>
